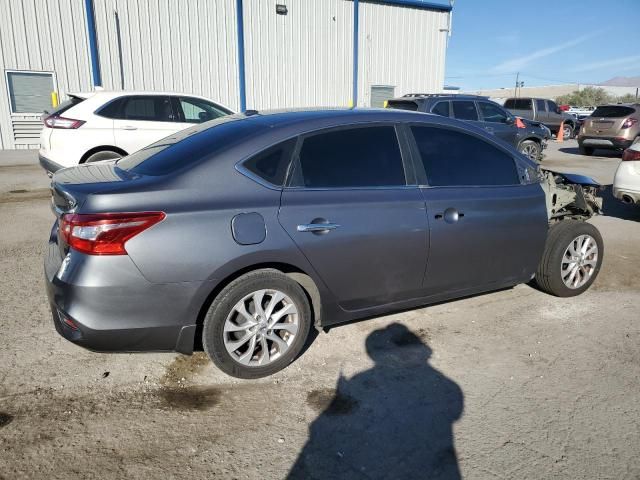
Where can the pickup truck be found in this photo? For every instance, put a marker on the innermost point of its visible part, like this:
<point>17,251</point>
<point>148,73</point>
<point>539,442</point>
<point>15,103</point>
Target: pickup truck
<point>544,111</point>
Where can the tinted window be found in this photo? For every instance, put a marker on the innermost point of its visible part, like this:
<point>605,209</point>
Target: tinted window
<point>112,109</point>
<point>492,113</point>
<point>272,164</point>
<point>357,157</point>
<point>464,110</point>
<point>148,108</point>
<point>518,104</point>
<point>189,146</point>
<point>196,110</point>
<point>402,105</point>
<point>551,106</point>
<point>66,105</point>
<point>441,108</point>
<point>453,158</point>
<point>612,111</point>
<point>541,105</point>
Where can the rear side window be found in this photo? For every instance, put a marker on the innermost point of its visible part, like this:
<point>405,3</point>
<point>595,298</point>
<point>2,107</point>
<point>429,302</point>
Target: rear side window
<point>402,105</point>
<point>143,107</point>
<point>464,110</point>
<point>492,113</point>
<point>518,104</point>
<point>612,111</point>
<point>453,158</point>
<point>442,109</point>
<point>189,146</point>
<point>66,105</point>
<point>271,165</point>
<point>355,157</point>
<point>541,105</point>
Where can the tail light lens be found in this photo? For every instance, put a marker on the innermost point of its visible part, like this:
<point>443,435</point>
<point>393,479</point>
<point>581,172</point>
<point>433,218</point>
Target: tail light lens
<point>105,233</point>
<point>53,121</point>
<point>629,122</point>
<point>631,155</point>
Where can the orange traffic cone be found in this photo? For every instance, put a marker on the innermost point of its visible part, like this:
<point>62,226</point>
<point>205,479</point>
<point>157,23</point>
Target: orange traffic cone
<point>520,123</point>
<point>560,134</point>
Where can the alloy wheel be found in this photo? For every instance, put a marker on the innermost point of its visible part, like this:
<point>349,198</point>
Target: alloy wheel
<point>579,261</point>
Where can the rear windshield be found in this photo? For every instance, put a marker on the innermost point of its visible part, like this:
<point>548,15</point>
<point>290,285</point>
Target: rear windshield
<point>189,146</point>
<point>402,105</point>
<point>612,111</point>
<point>518,104</point>
<point>64,106</point>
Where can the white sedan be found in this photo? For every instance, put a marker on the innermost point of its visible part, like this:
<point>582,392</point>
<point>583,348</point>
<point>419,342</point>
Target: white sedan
<point>626,183</point>
<point>103,125</point>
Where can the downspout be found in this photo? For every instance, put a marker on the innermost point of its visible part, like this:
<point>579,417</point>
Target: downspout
<point>241,77</point>
<point>354,95</point>
<point>93,43</point>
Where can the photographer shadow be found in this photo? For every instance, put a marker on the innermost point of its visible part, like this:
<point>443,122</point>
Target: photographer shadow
<point>394,420</point>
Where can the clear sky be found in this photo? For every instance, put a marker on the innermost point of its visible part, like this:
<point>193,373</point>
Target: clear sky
<point>548,42</point>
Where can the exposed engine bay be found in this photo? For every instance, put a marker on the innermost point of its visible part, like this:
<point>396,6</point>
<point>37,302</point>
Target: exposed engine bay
<point>570,196</point>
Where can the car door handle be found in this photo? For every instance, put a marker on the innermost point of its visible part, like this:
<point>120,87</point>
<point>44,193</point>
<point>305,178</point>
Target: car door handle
<point>450,215</point>
<point>129,127</point>
<point>317,227</point>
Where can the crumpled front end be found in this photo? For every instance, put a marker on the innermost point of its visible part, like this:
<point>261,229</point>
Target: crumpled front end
<point>570,196</point>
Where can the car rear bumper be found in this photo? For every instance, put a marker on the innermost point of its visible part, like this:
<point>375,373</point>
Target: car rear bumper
<point>105,304</point>
<point>50,166</point>
<point>604,142</point>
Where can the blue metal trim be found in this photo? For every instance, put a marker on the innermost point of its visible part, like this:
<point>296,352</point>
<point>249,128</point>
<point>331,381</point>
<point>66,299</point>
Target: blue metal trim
<point>241,76</point>
<point>416,4</point>
<point>354,97</point>
<point>93,44</point>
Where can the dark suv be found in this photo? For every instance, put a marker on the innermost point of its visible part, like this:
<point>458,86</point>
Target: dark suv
<point>242,233</point>
<point>529,137</point>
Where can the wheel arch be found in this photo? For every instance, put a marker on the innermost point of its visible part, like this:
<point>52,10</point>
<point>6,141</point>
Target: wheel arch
<point>102,148</point>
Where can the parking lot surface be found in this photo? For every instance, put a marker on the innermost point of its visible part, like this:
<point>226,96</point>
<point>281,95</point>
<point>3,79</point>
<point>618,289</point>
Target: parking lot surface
<point>512,384</point>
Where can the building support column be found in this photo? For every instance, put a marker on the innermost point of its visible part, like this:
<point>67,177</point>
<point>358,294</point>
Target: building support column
<point>354,95</point>
<point>241,76</point>
<point>93,43</point>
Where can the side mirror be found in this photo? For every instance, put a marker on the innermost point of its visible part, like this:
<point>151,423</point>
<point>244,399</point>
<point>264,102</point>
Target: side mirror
<point>510,120</point>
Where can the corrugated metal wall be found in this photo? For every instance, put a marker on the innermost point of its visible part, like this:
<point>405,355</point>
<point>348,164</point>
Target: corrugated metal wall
<point>301,59</point>
<point>41,35</point>
<point>183,46</point>
<point>401,47</point>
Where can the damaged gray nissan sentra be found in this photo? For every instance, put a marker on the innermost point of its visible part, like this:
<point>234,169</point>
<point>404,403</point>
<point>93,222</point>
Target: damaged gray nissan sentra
<point>243,233</point>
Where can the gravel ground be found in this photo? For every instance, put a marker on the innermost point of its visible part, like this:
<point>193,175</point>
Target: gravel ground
<point>513,384</point>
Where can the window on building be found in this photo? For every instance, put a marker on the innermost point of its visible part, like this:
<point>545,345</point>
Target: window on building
<point>453,158</point>
<point>464,110</point>
<point>355,157</point>
<point>492,113</point>
<point>30,92</point>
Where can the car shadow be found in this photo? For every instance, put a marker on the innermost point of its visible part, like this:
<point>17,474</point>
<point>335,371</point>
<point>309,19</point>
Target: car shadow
<point>394,420</point>
<point>596,153</point>
<point>612,207</point>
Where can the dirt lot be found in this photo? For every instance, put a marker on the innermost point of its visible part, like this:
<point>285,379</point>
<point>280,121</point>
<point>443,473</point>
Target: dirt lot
<point>513,384</point>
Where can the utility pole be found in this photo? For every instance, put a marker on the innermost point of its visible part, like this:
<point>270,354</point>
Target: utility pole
<point>515,91</point>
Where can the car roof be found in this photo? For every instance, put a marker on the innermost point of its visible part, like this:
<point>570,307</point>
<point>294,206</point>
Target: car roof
<point>436,96</point>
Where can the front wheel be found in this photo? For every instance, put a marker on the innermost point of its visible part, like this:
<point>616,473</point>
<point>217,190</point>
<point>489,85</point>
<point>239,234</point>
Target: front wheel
<point>572,258</point>
<point>567,131</point>
<point>257,325</point>
<point>530,149</point>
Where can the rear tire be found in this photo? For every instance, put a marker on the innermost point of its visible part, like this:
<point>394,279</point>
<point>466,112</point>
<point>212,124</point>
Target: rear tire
<point>588,151</point>
<point>103,155</point>
<point>572,258</point>
<point>567,131</point>
<point>237,327</point>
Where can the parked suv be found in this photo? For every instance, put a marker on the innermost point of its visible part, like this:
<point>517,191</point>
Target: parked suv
<point>246,231</point>
<point>544,111</point>
<point>530,138</point>
<point>107,125</point>
<point>612,127</point>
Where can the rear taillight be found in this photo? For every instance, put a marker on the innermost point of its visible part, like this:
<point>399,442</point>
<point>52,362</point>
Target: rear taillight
<point>630,155</point>
<point>53,121</point>
<point>105,233</point>
<point>629,122</point>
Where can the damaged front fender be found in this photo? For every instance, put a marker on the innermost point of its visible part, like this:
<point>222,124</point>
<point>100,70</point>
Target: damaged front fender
<point>570,196</point>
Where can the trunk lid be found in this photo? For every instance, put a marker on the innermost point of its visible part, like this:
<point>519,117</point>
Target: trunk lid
<point>606,120</point>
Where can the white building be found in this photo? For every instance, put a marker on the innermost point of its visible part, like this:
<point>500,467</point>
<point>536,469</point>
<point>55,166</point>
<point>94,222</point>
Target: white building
<point>256,54</point>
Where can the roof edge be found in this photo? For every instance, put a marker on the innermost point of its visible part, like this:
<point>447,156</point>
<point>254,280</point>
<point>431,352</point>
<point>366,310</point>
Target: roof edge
<point>415,4</point>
